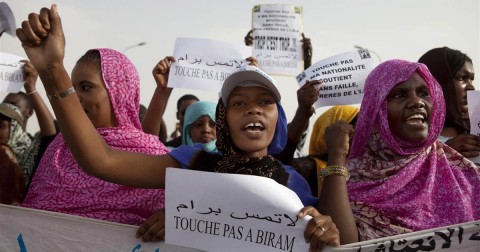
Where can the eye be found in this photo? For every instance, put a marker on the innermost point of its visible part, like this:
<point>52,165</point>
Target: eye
<point>85,87</point>
<point>238,103</point>
<point>267,101</point>
<point>423,93</point>
<point>398,95</point>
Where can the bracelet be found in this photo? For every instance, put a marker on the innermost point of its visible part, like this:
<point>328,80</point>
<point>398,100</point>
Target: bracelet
<point>63,94</point>
<point>335,170</point>
<point>34,91</point>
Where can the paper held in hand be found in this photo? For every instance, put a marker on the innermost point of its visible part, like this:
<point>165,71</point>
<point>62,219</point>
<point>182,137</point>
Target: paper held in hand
<point>343,77</point>
<point>204,64</point>
<point>11,73</point>
<point>231,212</point>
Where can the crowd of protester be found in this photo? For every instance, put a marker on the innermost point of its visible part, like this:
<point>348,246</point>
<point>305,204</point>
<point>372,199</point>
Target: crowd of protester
<point>387,167</point>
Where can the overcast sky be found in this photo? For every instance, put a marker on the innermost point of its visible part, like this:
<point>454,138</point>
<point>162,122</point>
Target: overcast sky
<point>392,29</point>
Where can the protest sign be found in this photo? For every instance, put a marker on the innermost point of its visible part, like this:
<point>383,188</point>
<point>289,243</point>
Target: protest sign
<point>27,230</point>
<point>343,77</point>
<point>277,38</point>
<point>24,229</point>
<point>231,212</point>
<point>473,100</point>
<point>460,237</point>
<point>204,64</point>
<point>11,73</point>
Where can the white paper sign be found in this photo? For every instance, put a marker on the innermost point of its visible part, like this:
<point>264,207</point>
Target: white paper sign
<point>24,229</point>
<point>343,77</point>
<point>473,100</point>
<point>276,35</point>
<point>231,212</point>
<point>204,64</point>
<point>11,73</point>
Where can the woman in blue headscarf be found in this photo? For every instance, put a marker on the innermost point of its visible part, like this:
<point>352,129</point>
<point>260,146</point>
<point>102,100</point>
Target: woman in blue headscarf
<point>199,125</point>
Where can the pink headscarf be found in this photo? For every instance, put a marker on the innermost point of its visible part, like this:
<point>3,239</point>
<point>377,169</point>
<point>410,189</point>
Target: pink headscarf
<point>60,185</point>
<point>397,186</point>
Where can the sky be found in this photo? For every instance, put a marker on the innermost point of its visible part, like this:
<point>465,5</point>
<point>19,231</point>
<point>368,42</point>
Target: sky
<point>389,28</point>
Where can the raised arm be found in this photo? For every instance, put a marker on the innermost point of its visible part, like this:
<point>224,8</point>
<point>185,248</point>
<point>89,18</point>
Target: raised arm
<point>307,95</point>
<point>43,40</point>
<point>153,118</point>
<point>334,200</point>
<point>44,117</point>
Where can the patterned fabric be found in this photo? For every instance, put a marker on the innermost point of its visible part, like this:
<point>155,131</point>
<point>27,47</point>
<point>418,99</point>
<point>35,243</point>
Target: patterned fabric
<point>30,156</point>
<point>195,111</point>
<point>398,186</point>
<point>18,139</point>
<point>436,61</point>
<point>60,184</point>
<point>318,146</point>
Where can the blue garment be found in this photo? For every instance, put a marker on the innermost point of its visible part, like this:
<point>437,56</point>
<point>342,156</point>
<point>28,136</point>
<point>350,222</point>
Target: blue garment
<point>184,155</point>
<point>193,112</point>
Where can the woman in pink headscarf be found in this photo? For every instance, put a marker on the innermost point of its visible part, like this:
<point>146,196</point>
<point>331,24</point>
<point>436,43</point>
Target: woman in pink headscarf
<point>402,178</point>
<point>108,87</point>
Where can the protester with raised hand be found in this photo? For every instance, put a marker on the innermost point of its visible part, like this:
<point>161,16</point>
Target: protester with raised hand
<point>249,109</point>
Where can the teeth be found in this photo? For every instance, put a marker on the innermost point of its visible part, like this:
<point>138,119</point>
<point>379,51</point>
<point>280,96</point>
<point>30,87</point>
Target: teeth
<point>416,116</point>
<point>254,125</point>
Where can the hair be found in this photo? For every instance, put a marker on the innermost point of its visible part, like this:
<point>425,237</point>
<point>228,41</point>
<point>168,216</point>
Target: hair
<point>456,59</point>
<point>186,98</point>
<point>92,56</point>
<point>12,180</point>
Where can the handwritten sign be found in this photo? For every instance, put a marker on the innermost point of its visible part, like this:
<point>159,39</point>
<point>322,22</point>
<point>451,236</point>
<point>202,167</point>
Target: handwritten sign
<point>24,229</point>
<point>463,237</point>
<point>277,38</point>
<point>231,212</point>
<point>473,100</point>
<point>343,77</point>
<point>204,64</point>
<point>11,73</point>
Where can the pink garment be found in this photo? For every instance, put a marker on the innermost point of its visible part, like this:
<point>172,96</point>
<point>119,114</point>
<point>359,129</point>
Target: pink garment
<point>60,185</point>
<point>397,186</point>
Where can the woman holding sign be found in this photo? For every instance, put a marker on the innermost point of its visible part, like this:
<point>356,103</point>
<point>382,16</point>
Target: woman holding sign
<point>402,178</point>
<point>248,110</point>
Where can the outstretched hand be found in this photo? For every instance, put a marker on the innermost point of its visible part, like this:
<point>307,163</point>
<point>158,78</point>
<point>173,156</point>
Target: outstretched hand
<point>320,230</point>
<point>43,39</point>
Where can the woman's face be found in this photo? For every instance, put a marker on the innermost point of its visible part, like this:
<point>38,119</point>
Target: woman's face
<point>463,80</point>
<point>410,109</point>
<point>203,130</point>
<point>4,129</point>
<point>252,118</point>
<point>91,91</point>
